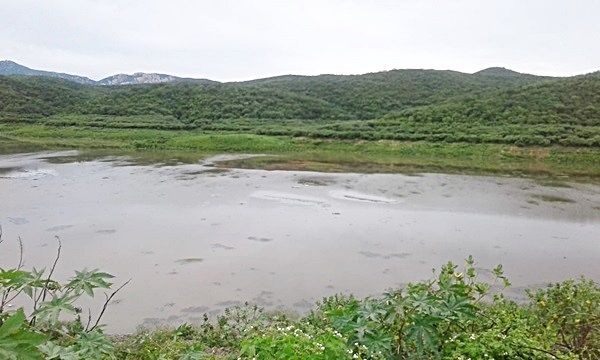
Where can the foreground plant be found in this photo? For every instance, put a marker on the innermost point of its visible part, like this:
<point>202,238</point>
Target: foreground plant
<point>17,340</point>
<point>54,327</point>
<point>571,310</point>
<point>297,341</point>
<point>453,316</point>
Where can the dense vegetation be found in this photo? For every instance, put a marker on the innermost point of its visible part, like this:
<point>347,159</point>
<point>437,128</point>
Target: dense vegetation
<point>288,97</point>
<point>452,316</point>
<point>406,105</point>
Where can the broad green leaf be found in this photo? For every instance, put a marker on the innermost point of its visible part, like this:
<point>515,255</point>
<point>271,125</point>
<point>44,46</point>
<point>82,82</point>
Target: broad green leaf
<point>50,311</point>
<point>17,341</point>
<point>93,345</point>
<point>52,350</point>
<point>88,280</point>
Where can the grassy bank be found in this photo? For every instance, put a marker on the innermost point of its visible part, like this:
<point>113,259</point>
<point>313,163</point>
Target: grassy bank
<point>296,153</point>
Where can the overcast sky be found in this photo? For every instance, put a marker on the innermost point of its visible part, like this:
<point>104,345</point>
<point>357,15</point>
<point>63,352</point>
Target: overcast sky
<point>239,40</point>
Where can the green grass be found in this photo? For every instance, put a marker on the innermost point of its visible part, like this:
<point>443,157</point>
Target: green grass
<point>535,132</point>
<point>295,153</point>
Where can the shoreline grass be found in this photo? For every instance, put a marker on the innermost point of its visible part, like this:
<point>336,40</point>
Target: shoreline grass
<point>289,153</point>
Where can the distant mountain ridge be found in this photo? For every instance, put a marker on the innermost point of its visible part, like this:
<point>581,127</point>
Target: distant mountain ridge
<point>500,71</point>
<point>146,78</point>
<point>8,67</point>
<point>339,97</point>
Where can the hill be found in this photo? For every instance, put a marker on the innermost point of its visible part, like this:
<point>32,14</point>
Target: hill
<point>573,101</point>
<point>493,106</point>
<point>561,111</point>
<point>377,94</point>
<point>342,97</point>
<point>8,68</point>
<point>12,68</point>
<point>500,72</point>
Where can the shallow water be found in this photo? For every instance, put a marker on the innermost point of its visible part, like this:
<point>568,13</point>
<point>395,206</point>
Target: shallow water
<point>195,239</point>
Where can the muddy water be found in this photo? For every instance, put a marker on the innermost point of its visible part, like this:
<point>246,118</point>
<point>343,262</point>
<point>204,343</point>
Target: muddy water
<point>196,239</point>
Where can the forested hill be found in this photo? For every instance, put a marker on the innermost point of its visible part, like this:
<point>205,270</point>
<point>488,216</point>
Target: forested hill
<point>573,100</point>
<point>377,94</point>
<point>440,106</point>
<point>561,111</point>
<point>343,97</point>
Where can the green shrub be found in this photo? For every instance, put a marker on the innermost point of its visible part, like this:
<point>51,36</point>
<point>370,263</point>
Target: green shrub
<point>571,309</point>
<point>296,342</point>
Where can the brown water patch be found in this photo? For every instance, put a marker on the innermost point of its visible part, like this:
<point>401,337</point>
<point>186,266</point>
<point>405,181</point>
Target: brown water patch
<point>211,170</point>
<point>315,181</point>
<point>552,198</point>
<point>229,303</point>
<point>131,157</point>
<point>189,261</point>
<point>263,299</point>
<point>18,220</point>
<point>59,227</point>
<point>553,183</point>
<point>371,254</point>
<point>262,239</point>
<point>221,246</point>
<point>303,304</point>
<point>156,322</point>
<point>195,309</point>
<point>9,169</point>
<point>106,231</point>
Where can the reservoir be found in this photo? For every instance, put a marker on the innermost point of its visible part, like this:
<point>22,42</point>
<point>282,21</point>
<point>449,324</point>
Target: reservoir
<point>195,238</point>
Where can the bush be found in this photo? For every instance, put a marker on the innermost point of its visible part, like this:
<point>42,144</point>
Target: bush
<point>572,310</point>
<point>296,342</point>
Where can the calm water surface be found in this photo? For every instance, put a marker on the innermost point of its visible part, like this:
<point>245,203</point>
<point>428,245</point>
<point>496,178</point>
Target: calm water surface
<point>196,239</point>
